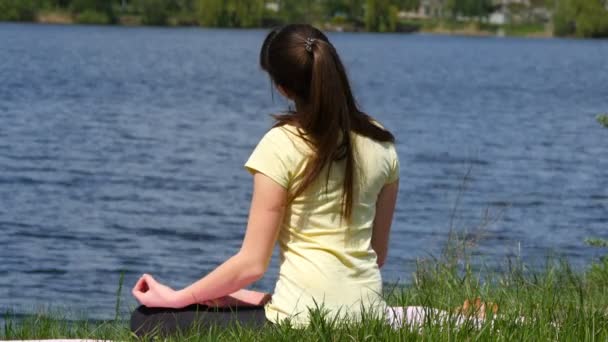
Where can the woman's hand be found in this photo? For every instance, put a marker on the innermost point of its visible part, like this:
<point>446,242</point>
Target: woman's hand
<point>153,294</point>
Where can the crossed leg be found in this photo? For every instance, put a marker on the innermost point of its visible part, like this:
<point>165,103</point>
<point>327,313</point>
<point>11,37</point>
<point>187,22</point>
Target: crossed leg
<point>243,307</point>
<point>151,321</point>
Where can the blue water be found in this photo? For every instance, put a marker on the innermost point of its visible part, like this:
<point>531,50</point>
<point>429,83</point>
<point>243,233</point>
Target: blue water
<point>122,149</point>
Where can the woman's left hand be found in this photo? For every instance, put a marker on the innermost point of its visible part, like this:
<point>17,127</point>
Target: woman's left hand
<point>153,294</point>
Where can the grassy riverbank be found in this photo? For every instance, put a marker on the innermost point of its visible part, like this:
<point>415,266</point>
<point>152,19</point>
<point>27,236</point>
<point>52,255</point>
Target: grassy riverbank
<point>555,303</point>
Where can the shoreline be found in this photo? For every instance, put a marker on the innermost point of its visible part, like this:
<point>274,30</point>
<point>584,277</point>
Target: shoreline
<point>427,27</point>
<point>555,302</point>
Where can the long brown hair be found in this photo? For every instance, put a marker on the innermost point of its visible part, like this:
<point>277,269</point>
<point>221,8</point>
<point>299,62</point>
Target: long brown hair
<point>301,60</point>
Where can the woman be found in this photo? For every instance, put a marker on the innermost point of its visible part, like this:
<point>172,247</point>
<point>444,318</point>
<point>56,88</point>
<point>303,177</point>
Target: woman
<point>325,182</point>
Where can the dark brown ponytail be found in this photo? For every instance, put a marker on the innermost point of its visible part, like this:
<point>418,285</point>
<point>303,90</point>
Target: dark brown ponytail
<point>301,59</point>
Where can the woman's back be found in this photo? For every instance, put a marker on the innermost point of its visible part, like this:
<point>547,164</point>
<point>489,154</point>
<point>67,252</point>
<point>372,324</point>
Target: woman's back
<point>326,260</point>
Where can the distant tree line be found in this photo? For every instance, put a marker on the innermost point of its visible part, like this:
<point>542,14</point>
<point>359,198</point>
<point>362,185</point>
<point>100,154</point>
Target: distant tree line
<point>374,15</point>
<point>584,18</point>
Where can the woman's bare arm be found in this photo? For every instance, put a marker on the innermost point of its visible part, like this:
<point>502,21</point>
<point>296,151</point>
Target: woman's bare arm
<point>385,208</point>
<point>250,263</point>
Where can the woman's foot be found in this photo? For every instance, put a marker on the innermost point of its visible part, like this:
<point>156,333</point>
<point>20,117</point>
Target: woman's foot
<point>476,308</point>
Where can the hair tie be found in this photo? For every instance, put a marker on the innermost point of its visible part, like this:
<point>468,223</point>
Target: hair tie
<point>308,44</point>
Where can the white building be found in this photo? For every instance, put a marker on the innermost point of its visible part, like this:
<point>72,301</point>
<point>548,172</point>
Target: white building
<point>498,18</point>
<point>272,6</point>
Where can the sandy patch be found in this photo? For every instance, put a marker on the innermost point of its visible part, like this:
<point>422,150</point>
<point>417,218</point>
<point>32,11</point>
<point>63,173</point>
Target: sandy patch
<point>54,18</point>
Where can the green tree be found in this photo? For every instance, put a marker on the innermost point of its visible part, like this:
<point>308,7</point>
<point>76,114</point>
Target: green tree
<point>371,15</point>
<point>181,5</point>
<point>298,11</point>
<point>583,18</point>
<point>333,7</point>
<point>356,9</point>
<point>18,10</point>
<point>58,3</point>
<point>592,20</point>
<point>99,7</point>
<point>231,13</point>
<point>155,12</point>
<point>352,9</point>
<point>246,13</point>
<point>210,12</point>
<point>407,5</point>
<point>564,18</point>
<point>382,15</point>
<point>393,18</point>
<point>603,119</point>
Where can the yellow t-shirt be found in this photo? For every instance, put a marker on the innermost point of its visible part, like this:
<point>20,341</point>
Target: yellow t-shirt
<point>323,261</point>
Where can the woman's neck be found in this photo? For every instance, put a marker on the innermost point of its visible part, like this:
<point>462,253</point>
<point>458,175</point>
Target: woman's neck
<point>301,107</point>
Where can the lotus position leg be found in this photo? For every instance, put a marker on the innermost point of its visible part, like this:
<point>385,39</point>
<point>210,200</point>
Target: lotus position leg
<point>151,321</point>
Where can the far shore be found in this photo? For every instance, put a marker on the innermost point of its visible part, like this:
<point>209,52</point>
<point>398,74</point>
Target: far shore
<point>471,29</point>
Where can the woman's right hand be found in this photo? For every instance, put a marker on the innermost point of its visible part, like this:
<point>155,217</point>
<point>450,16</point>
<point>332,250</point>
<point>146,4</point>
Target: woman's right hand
<point>151,293</point>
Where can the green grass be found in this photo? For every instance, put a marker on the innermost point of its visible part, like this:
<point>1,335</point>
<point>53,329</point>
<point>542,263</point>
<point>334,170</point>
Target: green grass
<point>603,119</point>
<point>93,17</point>
<point>556,303</point>
<point>525,29</point>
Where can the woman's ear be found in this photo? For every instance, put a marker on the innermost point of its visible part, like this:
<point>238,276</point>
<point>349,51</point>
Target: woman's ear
<point>285,92</point>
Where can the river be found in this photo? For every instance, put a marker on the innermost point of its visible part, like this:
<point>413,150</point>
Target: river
<point>122,149</point>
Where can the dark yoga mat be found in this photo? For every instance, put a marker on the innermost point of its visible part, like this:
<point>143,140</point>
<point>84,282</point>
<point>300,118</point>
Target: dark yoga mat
<point>162,321</point>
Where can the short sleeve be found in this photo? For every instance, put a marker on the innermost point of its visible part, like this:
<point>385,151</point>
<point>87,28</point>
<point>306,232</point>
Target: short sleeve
<point>394,167</point>
<point>271,157</point>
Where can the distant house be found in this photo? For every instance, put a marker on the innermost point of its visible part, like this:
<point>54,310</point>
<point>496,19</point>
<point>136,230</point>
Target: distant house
<point>510,2</point>
<point>508,11</point>
<point>498,18</point>
<point>427,9</point>
<point>432,8</point>
<point>272,6</point>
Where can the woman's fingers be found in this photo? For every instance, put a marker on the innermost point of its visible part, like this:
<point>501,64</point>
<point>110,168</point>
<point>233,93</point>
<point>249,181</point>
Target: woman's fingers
<point>137,286</point>
<point>140,296</point>
<point>148,277</point>
<point>142,286</point>
<point>149,280</point>
<point>151,293</point>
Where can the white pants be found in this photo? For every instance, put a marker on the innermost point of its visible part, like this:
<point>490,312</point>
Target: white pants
<point>417,316</point>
